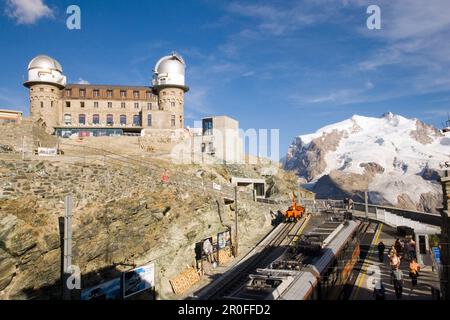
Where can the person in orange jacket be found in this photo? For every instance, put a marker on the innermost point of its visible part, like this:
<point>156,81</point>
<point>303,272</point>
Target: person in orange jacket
<point>414,269</point>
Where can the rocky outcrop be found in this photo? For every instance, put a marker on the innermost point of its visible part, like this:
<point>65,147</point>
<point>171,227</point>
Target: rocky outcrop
<point>308,160</point>
<point>123,215</point>
<point>424,133</point>
<point>372,168</point>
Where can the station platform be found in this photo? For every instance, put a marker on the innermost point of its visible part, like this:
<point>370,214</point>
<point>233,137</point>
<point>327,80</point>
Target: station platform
<point>372,270</point>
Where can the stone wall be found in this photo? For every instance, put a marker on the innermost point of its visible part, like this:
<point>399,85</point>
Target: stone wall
<point>124,216</point>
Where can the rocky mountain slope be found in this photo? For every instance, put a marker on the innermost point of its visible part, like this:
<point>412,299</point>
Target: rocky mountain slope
<point>395,158</point>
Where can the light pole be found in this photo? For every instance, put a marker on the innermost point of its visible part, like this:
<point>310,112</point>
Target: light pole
<point>236,245</point>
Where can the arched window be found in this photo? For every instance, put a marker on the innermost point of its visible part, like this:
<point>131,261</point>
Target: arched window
<point>149,120</point>
<point>172,104</point>
<point>123,119</point>
<point>109,119</point>
<point>136,120</point>
<point>95,119</point>
<point>82,119</point>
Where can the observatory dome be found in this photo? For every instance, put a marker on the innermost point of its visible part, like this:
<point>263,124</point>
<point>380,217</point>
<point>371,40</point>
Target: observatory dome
<point>45,69</point>
<point>169,70</point>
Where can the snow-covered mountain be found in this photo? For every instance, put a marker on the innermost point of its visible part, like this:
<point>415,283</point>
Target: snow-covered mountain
<point>395,158</point>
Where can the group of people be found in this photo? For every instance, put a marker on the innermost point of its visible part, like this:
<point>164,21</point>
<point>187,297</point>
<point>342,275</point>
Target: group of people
<point>396,253</point>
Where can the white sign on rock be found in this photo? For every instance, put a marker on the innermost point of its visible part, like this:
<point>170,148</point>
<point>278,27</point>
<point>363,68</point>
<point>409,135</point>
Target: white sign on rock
<point>47,152</point>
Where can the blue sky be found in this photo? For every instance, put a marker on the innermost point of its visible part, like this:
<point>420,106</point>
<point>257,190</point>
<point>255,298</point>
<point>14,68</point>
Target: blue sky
<point>291,65</point>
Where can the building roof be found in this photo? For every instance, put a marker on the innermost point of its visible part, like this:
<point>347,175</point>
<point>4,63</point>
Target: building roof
<point>11,111</point>
<point>106,86</point>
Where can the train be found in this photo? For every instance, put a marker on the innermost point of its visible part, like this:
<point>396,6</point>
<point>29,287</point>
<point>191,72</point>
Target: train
<point>315,269</point>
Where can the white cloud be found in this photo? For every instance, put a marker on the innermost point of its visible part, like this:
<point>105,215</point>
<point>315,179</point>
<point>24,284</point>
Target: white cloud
<point>82,81</point>
<point>27,11</point>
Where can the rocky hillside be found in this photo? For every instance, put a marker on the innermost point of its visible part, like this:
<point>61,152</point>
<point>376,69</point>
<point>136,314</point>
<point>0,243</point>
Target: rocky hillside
<point>395,158</point>
<point>123,214</point>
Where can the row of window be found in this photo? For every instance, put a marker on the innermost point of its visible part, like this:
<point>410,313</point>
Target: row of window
<point>110,105</point>
<point>110,119</point>
<point>109,93</point>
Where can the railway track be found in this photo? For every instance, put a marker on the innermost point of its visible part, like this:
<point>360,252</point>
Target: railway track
<point>261,256</point>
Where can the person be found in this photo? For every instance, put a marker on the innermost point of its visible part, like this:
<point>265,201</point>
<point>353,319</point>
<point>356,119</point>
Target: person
<point>414,269</point>
<point>398,246</point>
<point>395,262</point>
<point>392,251</point>
<point>379,291</point>
<point>381,248</point>
<point>412,249</point>
<point>397,276</point>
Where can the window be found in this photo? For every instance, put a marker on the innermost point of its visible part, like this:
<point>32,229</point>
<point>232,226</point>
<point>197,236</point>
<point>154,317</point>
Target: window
<point>95,119</point>
<point>136,94</point>
<point>82,93</point>
<point>82,119</point>
<point>207,127</point>
<point>42,89</point>
<point>109,93</point>
<point>149,120</point>
<point>109,119</point>
<point>122,105</point>
<point>123,94</point>
<point>149,94</point>
<point>181,121</point>
<point>149,106</point>
<point>96,93</point>
<point>68,92</point>
<point>172,104</point>
<point>51,103</point>
<point>109,105</point>
<point>136,120</point>
<point>42,104</point>
<point>123,119</point>
<point>82,104</point>
<point>160,107</point>
<point>67,119</point>
<point>67,104</point>
<point>136,105</point>
<point>95,104</point>
<point>172,120</point>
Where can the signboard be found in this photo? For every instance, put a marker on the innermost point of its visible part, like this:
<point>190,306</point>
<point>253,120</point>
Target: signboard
<point>217,186</point>
<point>223,239</point>
<point>47,152</point>
<point>109,290</point>
<point>437,254</point>
<point>138,280</point>
<point>204,248</point>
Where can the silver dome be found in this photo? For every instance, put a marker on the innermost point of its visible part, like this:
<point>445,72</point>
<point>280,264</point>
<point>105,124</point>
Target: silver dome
<point>173,63</point>
<point>44,62</point>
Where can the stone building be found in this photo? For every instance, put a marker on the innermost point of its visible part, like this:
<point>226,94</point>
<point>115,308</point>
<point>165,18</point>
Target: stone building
<point>105,110</point>
<point>10,116</point>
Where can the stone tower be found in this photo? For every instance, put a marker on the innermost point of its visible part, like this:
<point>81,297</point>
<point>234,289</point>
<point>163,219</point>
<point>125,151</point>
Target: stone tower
<point>169,85</point>
<point>45,82</point>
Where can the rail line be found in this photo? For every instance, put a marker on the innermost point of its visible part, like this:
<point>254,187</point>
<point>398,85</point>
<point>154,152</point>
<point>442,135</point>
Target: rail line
<point>262,256</point>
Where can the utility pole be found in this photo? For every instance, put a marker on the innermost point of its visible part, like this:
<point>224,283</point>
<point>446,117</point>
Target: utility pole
<point>366,201</point>
<point>67,245</point>
<point>236,245</point>
<point>445,234</point>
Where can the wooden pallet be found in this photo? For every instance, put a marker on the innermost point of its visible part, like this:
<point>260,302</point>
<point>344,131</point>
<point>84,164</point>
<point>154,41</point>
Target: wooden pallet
<point>184,280</point>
